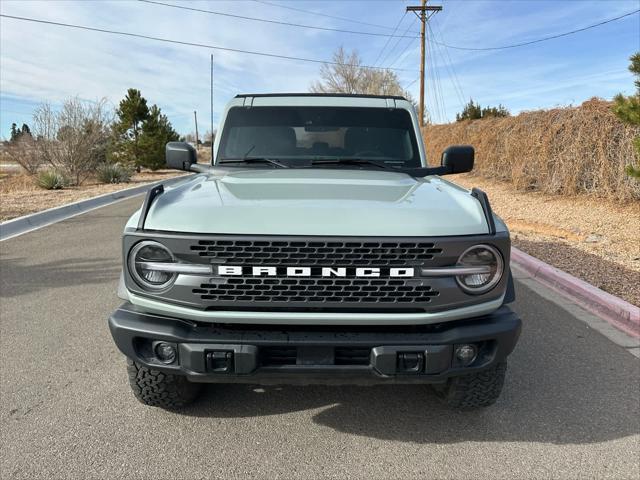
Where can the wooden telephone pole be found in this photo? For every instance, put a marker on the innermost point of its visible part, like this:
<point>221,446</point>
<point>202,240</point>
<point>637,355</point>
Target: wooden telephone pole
<point>422,13</point>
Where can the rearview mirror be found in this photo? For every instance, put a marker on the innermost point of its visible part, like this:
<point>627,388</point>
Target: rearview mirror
<point>458,158</point>
<point>180,155</point>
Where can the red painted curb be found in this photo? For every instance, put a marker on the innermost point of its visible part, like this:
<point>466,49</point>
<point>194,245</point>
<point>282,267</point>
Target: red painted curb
<point>622,315</point>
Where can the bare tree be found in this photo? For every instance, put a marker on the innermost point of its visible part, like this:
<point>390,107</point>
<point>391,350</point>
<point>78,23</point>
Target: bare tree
<point>23,152</point>
<point>347,75</point>
<point>74,139</point>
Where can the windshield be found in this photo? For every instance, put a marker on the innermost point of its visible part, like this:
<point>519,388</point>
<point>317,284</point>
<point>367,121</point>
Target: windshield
<point>303,134</point>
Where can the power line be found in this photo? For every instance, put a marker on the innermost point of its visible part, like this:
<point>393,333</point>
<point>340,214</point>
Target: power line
<point>191,44</point>
<point>311,12</point>
<point>409,84</point>
<point>389,39</point>
<point>264,20</point>
<point>409,43</point>
<point>436,71</point>
<point>448,64</point>
<point>543,39</point>
<point>398,41</point>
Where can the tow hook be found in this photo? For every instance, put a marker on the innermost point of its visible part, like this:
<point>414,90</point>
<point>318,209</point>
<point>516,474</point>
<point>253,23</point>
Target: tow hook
<point>410,362</point>
<point>220,362</point>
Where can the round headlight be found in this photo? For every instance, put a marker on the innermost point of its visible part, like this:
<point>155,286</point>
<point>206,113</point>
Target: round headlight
<point>485,278</point>
<point>141,259</point>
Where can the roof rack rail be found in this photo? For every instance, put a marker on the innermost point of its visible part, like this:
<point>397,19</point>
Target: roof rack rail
<point>306,94</point>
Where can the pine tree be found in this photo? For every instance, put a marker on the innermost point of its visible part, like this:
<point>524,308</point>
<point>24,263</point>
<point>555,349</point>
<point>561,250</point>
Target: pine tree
<point>25,130</point>
<point>499,111</point>
<point>628,110</point>
<point>132,112</point>
<point>471,111</point>
<point>15,133</point>
<point>156,132</point>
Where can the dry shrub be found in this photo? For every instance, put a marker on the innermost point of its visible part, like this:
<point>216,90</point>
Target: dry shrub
<point>204,155</point>
<point>73,139</point>
<point>566,151</point>
<point>13,183</point>
<point>23,152</point>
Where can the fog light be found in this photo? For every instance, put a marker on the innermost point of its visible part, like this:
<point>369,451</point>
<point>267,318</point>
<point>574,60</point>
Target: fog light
<point>165,352</point>
<point>466,354</point>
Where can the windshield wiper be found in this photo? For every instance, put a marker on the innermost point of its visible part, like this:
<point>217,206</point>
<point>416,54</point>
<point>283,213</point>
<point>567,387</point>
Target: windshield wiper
<point>354,161</point>
<point>254,160</point>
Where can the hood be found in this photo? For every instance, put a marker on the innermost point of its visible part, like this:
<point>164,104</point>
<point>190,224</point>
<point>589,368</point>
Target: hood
<point>323,202</point>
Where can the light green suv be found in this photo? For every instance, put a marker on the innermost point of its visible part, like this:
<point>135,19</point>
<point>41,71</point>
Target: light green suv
<point>317,247</point>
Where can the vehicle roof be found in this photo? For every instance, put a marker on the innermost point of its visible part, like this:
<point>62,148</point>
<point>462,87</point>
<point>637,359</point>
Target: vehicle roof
<point>306,94</point>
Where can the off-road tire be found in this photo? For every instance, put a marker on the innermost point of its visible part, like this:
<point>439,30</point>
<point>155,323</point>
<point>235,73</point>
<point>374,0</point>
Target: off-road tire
<point>159,389</point>
<point>474,390</point>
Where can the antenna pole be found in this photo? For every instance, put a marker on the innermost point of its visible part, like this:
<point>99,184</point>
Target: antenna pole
<point>212,108</point>
<point>195,118</point>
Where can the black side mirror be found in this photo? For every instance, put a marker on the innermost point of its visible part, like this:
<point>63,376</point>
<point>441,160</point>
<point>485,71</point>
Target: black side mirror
<point>458,158</point>
<point>180,155</point>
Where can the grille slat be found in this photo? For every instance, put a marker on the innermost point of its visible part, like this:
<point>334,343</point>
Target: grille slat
<point>305,289</point>
<point>322,254</point>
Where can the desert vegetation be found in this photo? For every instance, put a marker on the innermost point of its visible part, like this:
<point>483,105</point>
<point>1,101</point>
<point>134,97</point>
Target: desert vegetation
<point>81,140</point>
<point>574,150</point>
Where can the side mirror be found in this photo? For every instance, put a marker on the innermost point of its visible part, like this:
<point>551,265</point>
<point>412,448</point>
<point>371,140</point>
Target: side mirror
<point>180,155</point>
<point>458,158</point>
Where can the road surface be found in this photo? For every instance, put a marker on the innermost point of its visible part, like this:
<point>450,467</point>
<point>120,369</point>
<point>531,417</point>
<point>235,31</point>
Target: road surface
<point>570,408</point>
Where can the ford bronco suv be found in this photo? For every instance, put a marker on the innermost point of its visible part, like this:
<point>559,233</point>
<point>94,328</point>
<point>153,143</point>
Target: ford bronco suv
<point>318,247</point>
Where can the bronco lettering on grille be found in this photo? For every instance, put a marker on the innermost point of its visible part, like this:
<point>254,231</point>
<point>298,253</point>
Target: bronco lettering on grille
<point>236,270</point>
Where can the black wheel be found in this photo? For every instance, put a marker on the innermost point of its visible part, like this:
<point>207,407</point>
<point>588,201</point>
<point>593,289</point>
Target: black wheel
<point>474,390</point>
<point>158,389</point>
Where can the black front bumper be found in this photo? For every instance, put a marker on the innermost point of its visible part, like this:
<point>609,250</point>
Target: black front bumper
<point>314,354</point>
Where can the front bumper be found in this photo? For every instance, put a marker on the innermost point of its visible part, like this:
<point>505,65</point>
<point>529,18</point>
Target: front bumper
<point>314,355</point>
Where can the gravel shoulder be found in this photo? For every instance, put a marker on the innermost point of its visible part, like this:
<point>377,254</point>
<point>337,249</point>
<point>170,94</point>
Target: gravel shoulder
<point>593,239</point>
<point>20,196</point>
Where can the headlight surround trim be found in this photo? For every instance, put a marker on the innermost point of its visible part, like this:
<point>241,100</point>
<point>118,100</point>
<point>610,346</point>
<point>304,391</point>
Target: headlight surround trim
<point>132,263</point>
<point>496,275</point>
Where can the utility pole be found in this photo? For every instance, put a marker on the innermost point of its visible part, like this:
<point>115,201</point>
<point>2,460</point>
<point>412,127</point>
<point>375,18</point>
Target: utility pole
<point>195,117</point>
<point>421,12</point>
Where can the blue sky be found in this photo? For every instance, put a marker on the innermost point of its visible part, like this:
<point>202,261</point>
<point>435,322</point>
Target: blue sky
<point>42,63</point>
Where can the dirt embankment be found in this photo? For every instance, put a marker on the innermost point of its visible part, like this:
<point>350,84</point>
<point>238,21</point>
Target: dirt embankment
<point>569,151</point>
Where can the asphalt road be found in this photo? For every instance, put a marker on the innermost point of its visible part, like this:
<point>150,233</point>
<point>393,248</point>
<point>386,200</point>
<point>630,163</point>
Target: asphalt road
<point>570,408</point>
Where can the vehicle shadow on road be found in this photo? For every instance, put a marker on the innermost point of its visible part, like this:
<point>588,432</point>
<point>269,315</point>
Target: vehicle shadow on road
<point>19,277</point>
<point>566,384</point>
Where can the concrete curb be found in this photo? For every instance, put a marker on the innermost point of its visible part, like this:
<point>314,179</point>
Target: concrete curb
<point>28,223</point>
<point>614,310</point>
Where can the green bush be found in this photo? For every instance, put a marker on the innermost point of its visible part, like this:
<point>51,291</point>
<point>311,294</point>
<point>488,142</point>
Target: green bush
<point>113,173</point>
<point>51,180</point>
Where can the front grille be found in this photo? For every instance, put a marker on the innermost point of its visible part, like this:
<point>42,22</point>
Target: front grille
<point>316,253</point>
<point>342,292</point>
<point>374,290</point>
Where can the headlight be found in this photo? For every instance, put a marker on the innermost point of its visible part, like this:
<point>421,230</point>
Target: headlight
<point>144,258</point>
<point>480,256</point>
